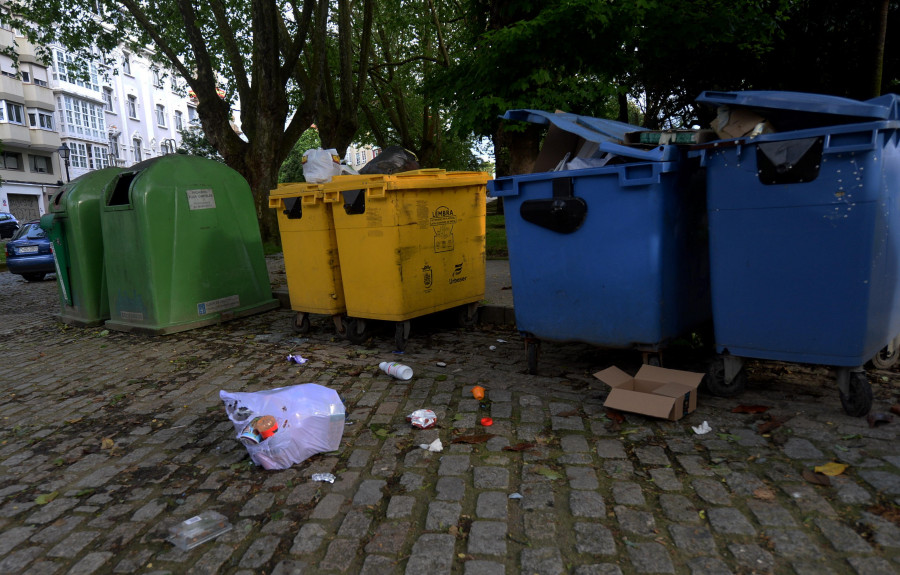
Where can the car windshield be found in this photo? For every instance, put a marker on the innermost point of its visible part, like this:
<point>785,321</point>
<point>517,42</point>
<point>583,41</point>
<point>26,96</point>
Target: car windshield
<point>30,231</point>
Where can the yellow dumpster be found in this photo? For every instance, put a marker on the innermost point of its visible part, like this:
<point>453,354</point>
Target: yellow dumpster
<point>410,244</point>
<point>310,250</point>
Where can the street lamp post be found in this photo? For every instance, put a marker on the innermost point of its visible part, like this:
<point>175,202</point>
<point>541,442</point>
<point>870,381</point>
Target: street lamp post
<point>64,154</point>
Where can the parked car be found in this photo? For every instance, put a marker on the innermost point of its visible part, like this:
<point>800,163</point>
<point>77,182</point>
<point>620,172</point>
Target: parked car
<point>8,225</point>
<point>28,253</point>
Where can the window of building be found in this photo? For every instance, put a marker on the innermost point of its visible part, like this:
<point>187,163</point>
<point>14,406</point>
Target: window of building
<point>98,157</point>
<point>39,75</point>
<point>108,100</point>
<point>160,115</point>
<point>126,63</point>
<point>192,115</point>
<point>78,155</point>
<point>81,117</point>
<point>41,164</point>
<point>136,143</point>
<point>26,77</point>
<point>113,146</point>
<point>157,78</point>
<point>179,121</point>
<point>132,107</point>
<point>15,113</point>
<point>42,119</point>
<point>67,69</point>
<point>12,161</point>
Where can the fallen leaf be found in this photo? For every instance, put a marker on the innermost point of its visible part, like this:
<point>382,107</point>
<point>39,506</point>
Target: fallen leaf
<point>519,447</point>
<point>895,408</point>
<point>771,425</point>
<point>549,473</point>
<point>817,478</point>
<point>831,468</point>
<point>751,409</point>
<point>613,426</point>
<point>616,416</point>
<point>764,493</point>
<point>890,513</point>
<point>107,443</point>
<point>569,413</point>
<point>481,438</point>
<point>46,498</point>
<point>879,418</point>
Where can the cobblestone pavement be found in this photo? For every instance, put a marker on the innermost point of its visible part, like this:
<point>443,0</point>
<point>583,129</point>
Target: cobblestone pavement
<point>111,438</point>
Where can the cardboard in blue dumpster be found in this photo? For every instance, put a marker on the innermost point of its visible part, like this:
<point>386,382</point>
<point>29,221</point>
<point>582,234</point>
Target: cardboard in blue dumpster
<point>655,391</point>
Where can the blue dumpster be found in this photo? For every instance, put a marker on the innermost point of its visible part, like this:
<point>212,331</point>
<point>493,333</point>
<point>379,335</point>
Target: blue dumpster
<point>804,239</point>
<point>613,256</point>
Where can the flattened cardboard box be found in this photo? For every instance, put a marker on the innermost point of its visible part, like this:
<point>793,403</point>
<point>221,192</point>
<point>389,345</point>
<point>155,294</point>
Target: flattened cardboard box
<point>654,391</point>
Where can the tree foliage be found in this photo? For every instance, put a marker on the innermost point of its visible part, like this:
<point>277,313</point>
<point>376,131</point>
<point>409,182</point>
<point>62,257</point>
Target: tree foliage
<point>292,168</point>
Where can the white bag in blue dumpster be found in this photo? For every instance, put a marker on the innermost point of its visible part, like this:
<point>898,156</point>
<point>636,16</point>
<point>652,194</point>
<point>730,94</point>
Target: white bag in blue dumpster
<point>287,425</point>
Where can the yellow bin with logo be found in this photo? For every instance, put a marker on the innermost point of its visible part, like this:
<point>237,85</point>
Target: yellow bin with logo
<point>410,244</point>
<point>310,248</point>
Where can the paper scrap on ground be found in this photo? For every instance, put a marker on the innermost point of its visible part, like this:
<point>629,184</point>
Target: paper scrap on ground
<point>701,429</point>
<point>435,445</point>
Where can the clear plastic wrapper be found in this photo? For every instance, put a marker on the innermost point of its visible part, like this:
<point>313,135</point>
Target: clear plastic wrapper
<point>309,419</point>
<point>198,529</point>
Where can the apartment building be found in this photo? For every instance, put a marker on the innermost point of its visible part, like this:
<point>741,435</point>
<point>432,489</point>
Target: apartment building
<point>107,116</point>
<point>357,157</point>
<point>29,136</point>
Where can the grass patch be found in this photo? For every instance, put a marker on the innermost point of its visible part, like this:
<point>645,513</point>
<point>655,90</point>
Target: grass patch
<point>495,238</point>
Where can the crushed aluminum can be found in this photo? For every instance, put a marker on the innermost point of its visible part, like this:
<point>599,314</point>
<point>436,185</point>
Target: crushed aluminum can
<point>422,418</point>
<point>326,477</point>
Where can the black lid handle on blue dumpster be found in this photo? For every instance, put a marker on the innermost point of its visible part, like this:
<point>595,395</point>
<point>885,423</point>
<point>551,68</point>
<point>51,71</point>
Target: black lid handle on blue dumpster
<point>563,213</point>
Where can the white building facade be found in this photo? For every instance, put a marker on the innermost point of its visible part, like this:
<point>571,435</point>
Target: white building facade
<point>105,117</point>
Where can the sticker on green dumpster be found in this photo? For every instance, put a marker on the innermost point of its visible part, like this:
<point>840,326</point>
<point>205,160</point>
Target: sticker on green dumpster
<point>201,199</point>
<point>132,315</point>
<point>220,304</point>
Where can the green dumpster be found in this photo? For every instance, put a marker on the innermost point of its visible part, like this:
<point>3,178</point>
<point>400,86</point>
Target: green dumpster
<point>182,247</point>
<point>73,226</point>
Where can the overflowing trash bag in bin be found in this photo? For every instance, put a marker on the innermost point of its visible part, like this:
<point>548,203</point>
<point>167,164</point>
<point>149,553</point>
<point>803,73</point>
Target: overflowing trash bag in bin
<point>73,226</point>
<point>607,241</point>
<point>182,247</point>
<point>804,234</point>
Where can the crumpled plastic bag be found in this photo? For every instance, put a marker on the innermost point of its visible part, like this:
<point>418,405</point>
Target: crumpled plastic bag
<point>310,420</point>
<point>319,165</point>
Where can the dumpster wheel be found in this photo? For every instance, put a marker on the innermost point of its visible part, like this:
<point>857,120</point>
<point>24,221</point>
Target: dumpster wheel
<point>467,315</point>
<point>532,354</point>
<point>858,400</point>
<point>356,330</point>
<point>401,335</point>
<point>887,357</point>
<point>301,322</point>
<point>716,378</point>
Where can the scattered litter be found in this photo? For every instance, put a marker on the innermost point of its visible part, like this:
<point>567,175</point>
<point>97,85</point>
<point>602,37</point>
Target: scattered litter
<point>397,370</point>
<point>422,418</point>
<point>478,392</point>
<point>492,348</point>
<point>326,477</point>
<point>702,429</point>
<point>487,421</point>
<point>435,445</point>
<point>515,496</point>
<point>473,439</point>
<point>198,529</point>
<point>441,364</point>
<point>295,358</point>
<point>879,418</point>
<point>501,341</point>
<point>309,419</point>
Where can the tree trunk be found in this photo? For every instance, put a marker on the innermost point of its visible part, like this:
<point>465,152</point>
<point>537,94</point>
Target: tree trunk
<point>262,175</point>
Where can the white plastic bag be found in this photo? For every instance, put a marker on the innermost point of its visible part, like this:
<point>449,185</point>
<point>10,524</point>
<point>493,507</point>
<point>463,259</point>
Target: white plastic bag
<point>310,420</point>
<point>319,165</point>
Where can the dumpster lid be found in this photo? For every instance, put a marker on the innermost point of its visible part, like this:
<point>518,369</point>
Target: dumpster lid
<point>607,134</point>
<point>799,110</point>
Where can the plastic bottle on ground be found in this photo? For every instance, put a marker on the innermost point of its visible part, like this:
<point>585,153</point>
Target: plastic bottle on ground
<point>397,370</point>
